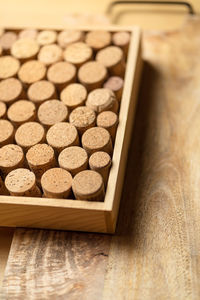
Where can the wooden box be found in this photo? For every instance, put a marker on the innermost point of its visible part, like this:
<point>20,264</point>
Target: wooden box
<point>86,215</point>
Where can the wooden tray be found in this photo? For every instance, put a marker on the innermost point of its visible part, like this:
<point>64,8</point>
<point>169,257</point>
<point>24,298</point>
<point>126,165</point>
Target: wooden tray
<point>86,215</point>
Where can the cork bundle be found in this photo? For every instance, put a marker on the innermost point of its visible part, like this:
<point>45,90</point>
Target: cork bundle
<point>60,96</point>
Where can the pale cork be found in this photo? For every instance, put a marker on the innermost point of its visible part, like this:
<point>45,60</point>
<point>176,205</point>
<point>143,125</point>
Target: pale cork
<point>61,74</point>
<point>73,159</point>
<point>11,89</point>
<point>7,39</point>
<point>73,95</point>
<point>62,135</point>
<point>68,37</point>
<point>51,112</point>
<point>82,118</point>
<point>101,162</point>
<point>56,183</point>
<point>122,40</point>
<point>88,185</point>
<point>40,91</point>
<point>9,66</point>
<point>3,190</point>
<point>40,158</point>
<point>50,54</point>
<point>3,110</point>
<point>21,111</point>
<point>97,139</point>
<point>11,157</point>
<point>30,33</point>
<point>102,99</point>
<point>78,53</point>
<point>29,134</point>
<point>32,71</point>
<point>115,84</point>
<point>6,132</point>
<point>24,49</point>
<point>98,39</point>
<point>22,182</point>
<point>112,58</point>
<point>92,74</point>
<point>46,37</point>
<point>109,121</point>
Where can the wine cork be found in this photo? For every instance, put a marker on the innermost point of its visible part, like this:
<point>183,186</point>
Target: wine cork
<point>88,185</point>
<point>32,71</point>
<point>62,135</point>
<point>78,53</point>
<point>22,182</point>
<point>11,157</point>
<point>101,162</point>
<point>82,118</point>
<point>92,74</point>
<point>73,95</point>
<point>121,39</point>
<point>68,37</point>
<point>56,183</point>
<point>98,39</point>
<point>24,49</point>
<point>109,121</point>
<point>102,99</point>
<point>115,84</point>
<point>112,58</point>
<point>97,139</point>
<point>3,110</point>
<point>73,159</point>
<point>51,112</point>
<point>46,37</point>
<point>40,158</point>
<point>21,111</point>
<point>7,40</point>
<point>3,190</point>
<point>61,74</point>
<point>11,89</point>
<point>29,33</point>
<point>29,134</point>
<point>50,54</point>
<point>40,91</point>
<point>6,133</point>
<point>9,66</point>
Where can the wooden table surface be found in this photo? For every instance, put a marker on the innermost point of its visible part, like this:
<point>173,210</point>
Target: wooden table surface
<point>155,251</point>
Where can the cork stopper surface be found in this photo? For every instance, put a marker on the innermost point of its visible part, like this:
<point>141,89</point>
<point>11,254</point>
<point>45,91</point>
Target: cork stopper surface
<point>51,112</point>
<point>32,71</point>
<point>40,154</point>
<point>50,54</point>
<point>121,38</point>
<point>101,99</point>
<point>56,181</point>
<point>99,160</point>
<point>6,131</point>
<point>11,155</point>
<point>61,73</point>
<point>68,37</point>
<point>98,39</point>
<point>107,119</point>
<point>7,40</point>
<point>29,33</point>
<point>20,180</point>
<point>10,90</point>
<point>110,56</point>
<point>9,66</point>
<point>29,134</point>
<point>21,111</point>
<point>25,48</point>
<point>92,72</point>
<point>87,182</point>
<point>95,138</point>
<point>114,83</point>
<point>82,116</point>
<point>46,37</point>
<point>40,91</point>
<point>73,95</point>
<point>2,109</point>
<point>78,53</point>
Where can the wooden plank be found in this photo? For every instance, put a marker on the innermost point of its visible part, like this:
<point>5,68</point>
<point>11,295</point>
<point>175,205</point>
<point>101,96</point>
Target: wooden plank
<point>6,235</point>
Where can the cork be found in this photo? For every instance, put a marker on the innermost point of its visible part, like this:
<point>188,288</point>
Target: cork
<point>121,39</point>
<point>56,183</point>
<point>98,39</point>
<point>73,95</point>
<point>29,33</point>
<point>46,37</point>
<point>62,135</point>
<point>101,162</point>
<point>82,118</point>
<point>24,49</point>
<point>9,66</point>
<point>32,71</point>
<point>73,159</point>
<point>40,158</point>
<point>51,112</point>
<point>97,139</point>
<point>3,110</point>
<point>7,40</point>
<point>109,121</point>
<point>61,74</point>
<point>1,31</point>
<point>68,37</point>
<point>112,58</point>
<point>11,89</point>
<point>21,111</point>
<point>78,53</point>
<point>6,132</point>
<point>102,99</point>
<point>92,74</point>
<point>22,182</point>
<point>11,157</point>
<point>115,84</point>
<point>50,54</point>
<point>40,91</point>
<point>3,190</point>
<point>29,134</point>
<point>88,185</point>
